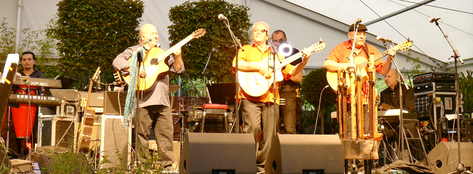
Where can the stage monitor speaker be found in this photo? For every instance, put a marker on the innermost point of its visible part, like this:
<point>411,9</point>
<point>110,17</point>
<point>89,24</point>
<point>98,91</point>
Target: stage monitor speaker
<point>444,157</point>
<point>114,103</point>
<point>115,142</point>
<point>304,154</point>
<point>218,153</point>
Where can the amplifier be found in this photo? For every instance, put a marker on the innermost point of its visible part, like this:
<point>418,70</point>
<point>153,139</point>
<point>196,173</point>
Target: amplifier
<point>114,103</point>
<point>445,77</point>
<point>436,104</point>
<point>96,98</point>
<point>56,131</point>
<point>434,87</point>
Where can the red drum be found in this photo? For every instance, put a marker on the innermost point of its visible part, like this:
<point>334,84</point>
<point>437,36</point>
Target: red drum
<point>23,117</point>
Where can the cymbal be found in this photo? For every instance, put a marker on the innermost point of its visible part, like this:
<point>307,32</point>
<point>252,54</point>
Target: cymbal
<point>173,87</point>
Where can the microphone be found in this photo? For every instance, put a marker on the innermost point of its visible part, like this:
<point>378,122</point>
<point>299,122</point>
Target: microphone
<point>264,30</point>
<point>222,17</point>
<point>383,39</point>
<point>433,20</point>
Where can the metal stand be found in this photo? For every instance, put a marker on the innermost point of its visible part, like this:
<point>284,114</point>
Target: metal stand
<point>456,56</point>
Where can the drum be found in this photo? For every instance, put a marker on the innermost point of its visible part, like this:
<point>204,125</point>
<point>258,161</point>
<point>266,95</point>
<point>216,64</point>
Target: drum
<point>23,117</point>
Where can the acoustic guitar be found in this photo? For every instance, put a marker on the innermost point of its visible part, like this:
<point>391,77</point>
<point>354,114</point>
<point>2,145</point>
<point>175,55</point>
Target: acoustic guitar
<point>85,133</point>
<point>255,84</point>
<point>332,75</point>
<point>155,64</point>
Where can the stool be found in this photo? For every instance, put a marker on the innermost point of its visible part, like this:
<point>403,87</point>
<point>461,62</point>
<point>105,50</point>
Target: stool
<point>413,138</point>
<point>214,109</point>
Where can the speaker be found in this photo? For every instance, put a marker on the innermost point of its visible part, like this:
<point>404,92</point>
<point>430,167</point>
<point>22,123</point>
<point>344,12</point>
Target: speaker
<point>444,157</point>
<point>57,131</point>
<point>299,153</point>
<point>114,103</point>
<point>115,144</point>
<point>218,153</point>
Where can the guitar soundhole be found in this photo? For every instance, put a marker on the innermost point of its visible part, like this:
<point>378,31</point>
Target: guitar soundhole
<point>154,61</point>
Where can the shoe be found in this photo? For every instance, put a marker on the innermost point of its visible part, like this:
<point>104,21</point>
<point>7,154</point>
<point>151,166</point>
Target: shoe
<point>260,170</point>
<point>169,169</point>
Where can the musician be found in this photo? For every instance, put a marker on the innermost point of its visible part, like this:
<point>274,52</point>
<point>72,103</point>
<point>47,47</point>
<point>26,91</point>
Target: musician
<point>338,59</point>
<point>28,62</point>
<point>258,111</point>
<point>390,95</point>
<point>288,89</point>
<point>153,110</point>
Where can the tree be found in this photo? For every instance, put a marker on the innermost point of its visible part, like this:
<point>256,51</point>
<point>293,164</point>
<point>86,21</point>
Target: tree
<point>312,85</point>
<point>191,16</point>
<point>92,33</point>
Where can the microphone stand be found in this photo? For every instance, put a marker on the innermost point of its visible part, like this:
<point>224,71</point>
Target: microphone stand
<point>237,43</point>
<point>274,53</point>
<point>400,81</point>
<point>456,57</point>
<point>203,74</point>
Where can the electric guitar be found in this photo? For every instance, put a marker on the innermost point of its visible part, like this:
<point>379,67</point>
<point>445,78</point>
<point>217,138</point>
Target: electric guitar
<point>155,64</point>
<point>88,119</point>
<point>332,75</point>
<point>255,84</point>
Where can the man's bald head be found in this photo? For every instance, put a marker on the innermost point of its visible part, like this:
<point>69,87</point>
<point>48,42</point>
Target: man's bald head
<point>148,35</point>
<point>391,78</point>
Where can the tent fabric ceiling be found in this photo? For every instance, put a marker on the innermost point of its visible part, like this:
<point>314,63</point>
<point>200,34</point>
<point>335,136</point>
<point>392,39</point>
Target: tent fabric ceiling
<point>402,19</point>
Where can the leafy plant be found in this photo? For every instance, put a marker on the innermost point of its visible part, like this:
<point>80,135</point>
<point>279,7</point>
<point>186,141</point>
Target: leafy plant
<point>32,41</point>
<point>92,33</point>
<point>191,16</point>
<point>465,82</point>
<point>312,85</point>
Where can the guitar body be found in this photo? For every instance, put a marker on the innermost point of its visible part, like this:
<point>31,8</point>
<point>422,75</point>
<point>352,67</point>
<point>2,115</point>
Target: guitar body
<point>154,68</point>
<point>255,84</point>
<point>86,130</point>
<point>332,75</point>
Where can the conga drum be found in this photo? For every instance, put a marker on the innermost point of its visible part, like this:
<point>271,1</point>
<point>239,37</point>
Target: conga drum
<point>23,117</point>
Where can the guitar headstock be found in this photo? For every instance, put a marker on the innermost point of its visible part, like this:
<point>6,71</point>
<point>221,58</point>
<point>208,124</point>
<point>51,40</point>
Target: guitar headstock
<point>198,33</point>
<point>404,46</point>
<point>319,46</point>
<point>97,72</point>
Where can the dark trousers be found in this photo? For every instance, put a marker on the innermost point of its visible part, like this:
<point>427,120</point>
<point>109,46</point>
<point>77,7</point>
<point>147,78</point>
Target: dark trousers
<point>258,116</point>
<point>288,111</point>
<point>159,119</point>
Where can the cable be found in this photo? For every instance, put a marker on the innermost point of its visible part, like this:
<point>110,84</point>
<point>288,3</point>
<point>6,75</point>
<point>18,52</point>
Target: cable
<point>318,110</point>
<point>433,60</point>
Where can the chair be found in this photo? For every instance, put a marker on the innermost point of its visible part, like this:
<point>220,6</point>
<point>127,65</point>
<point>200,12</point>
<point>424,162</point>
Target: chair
<point>214,109</point>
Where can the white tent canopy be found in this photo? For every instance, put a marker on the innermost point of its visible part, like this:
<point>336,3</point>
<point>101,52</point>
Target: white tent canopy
<point>306,21</point>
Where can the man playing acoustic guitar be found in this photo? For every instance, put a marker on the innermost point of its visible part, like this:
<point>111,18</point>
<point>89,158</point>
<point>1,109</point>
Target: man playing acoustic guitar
<point>338,59</point>
<point>258,111</point>
<point>153,110</point>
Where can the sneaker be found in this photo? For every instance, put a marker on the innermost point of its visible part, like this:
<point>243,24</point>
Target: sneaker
<point>169,169</point>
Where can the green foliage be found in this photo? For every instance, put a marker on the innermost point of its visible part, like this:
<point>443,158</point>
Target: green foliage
<point>465,82</point>
<point>7,41</point>
<point>312,85</point>
<point>92,33</point>
<point>190,16</point>
<point>32,41</point>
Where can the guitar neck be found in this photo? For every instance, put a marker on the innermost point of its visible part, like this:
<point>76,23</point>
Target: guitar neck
<point>289,60</point>
<point>173,48</point>
<point>381,55</point>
